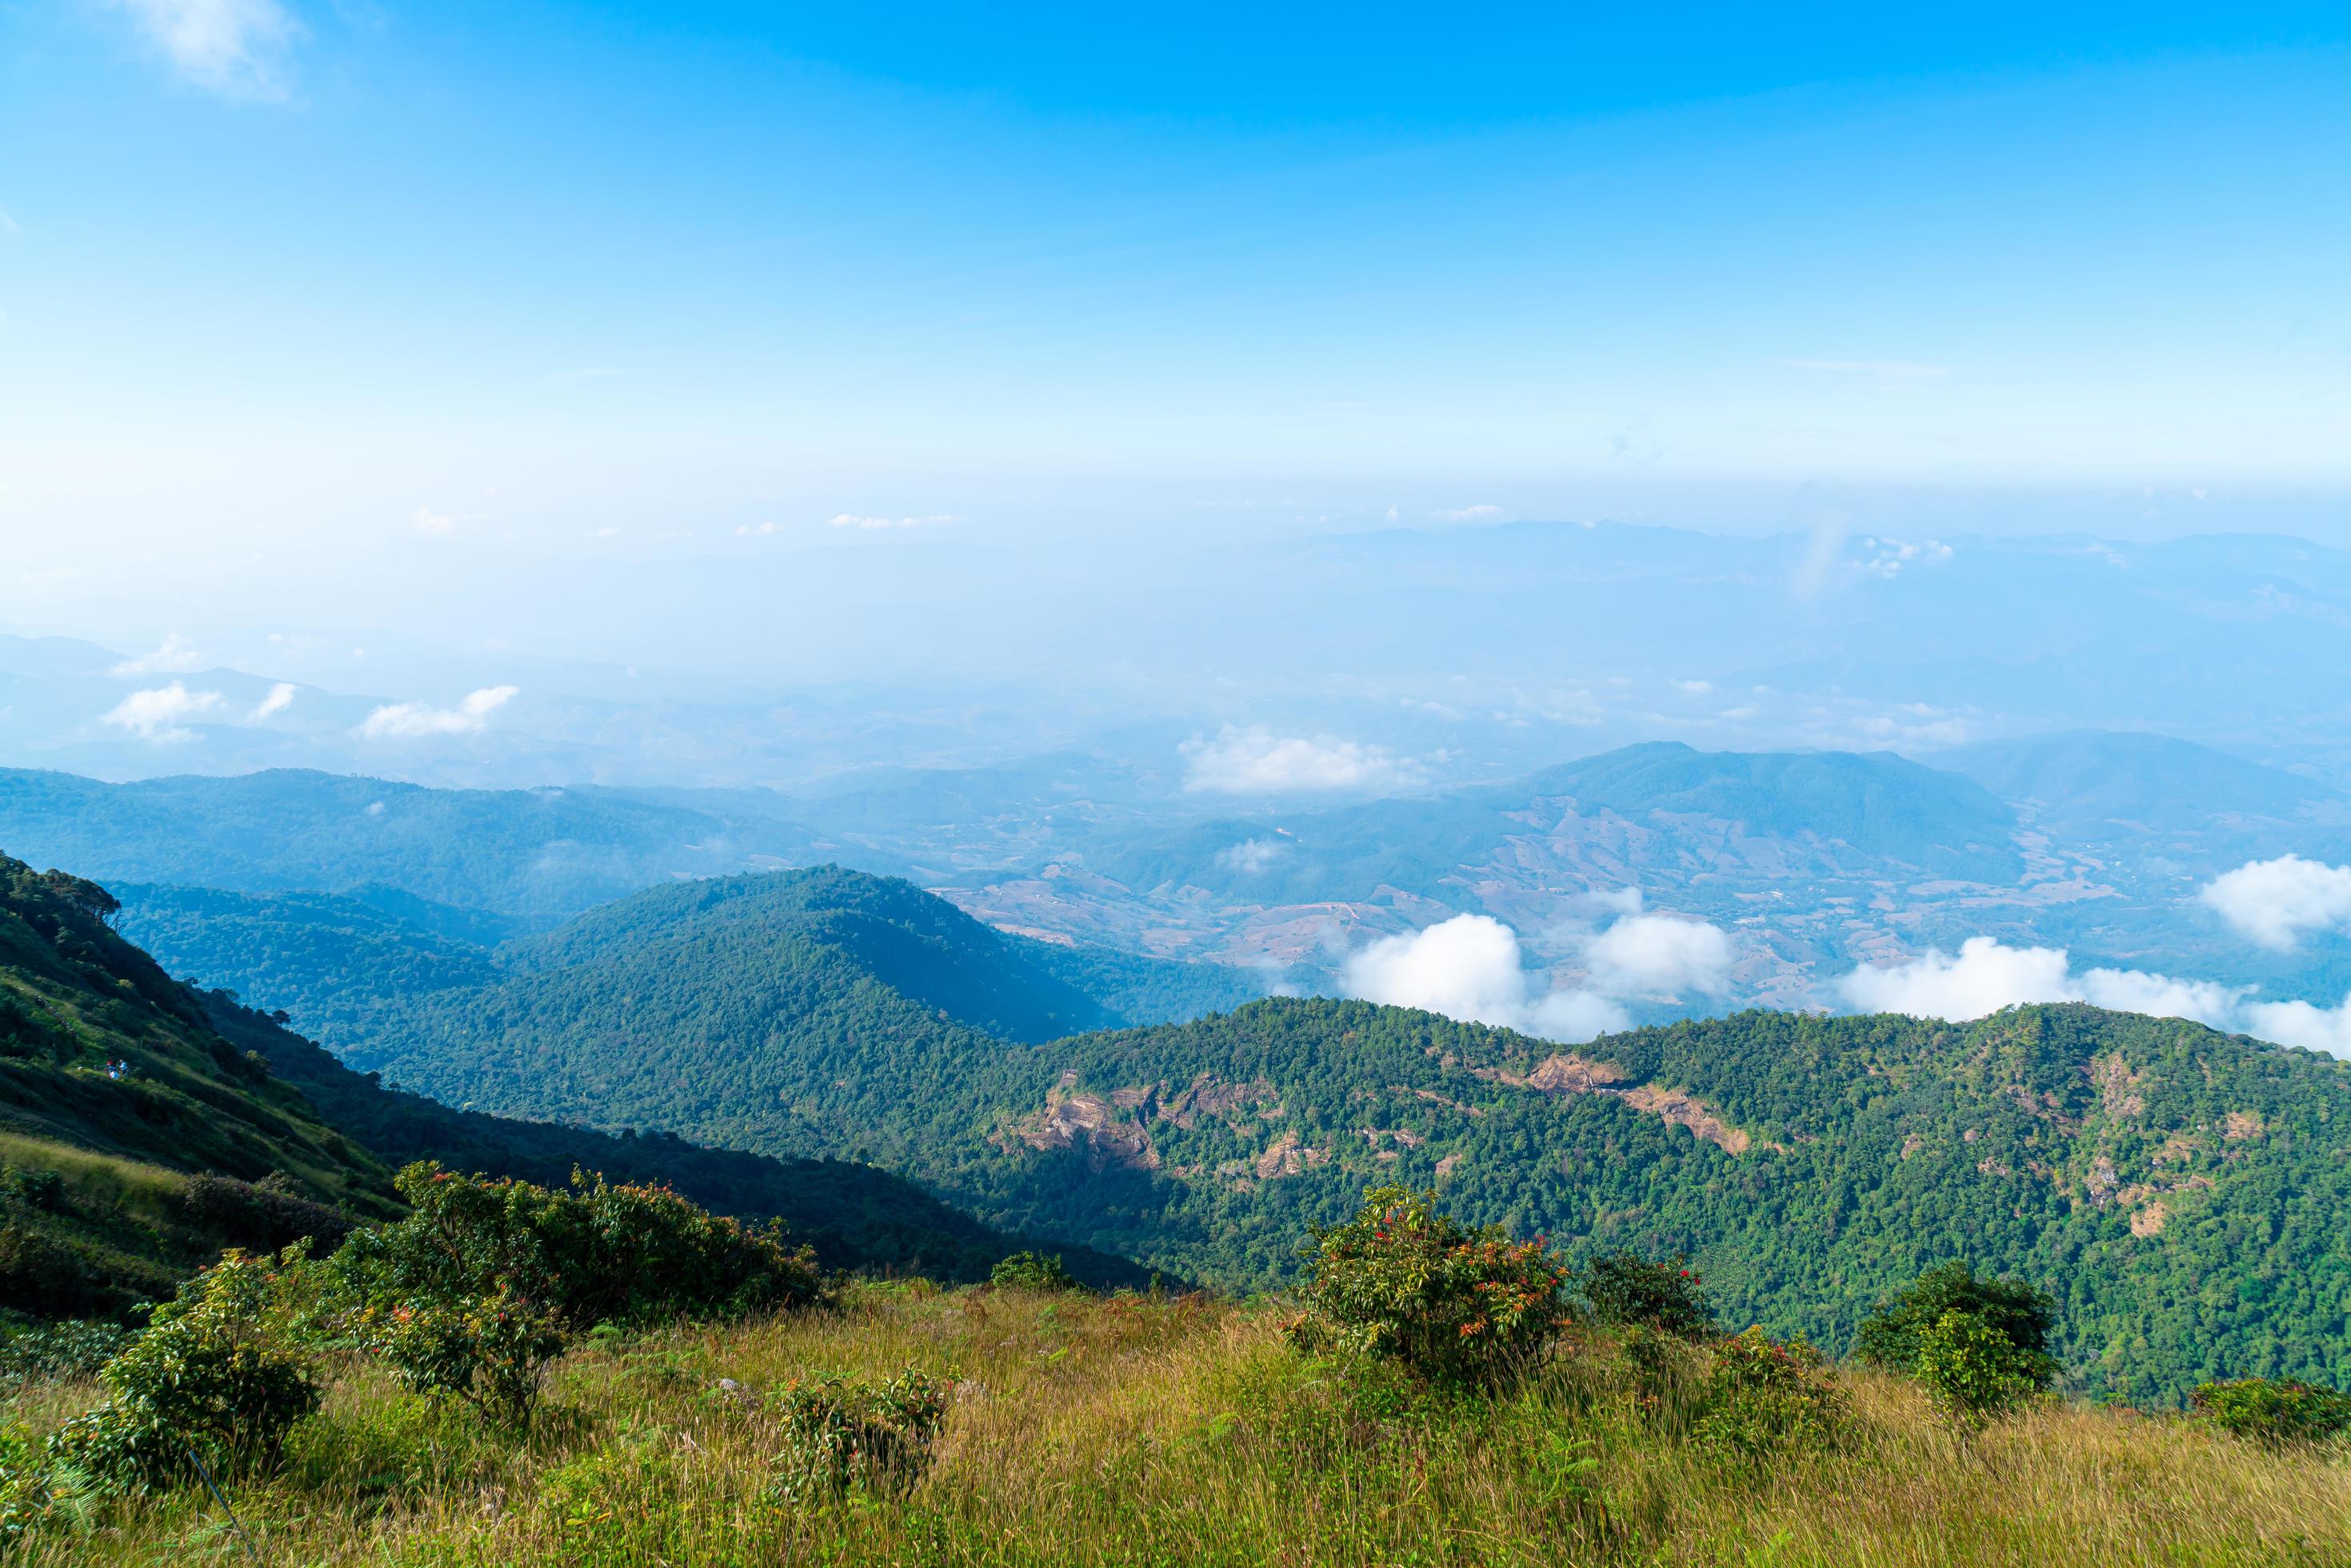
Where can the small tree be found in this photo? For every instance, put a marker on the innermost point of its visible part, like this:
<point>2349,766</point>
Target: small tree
<point>1626,1291</point>
<point>840,1436</point>
<point>1033,1271</point>
<point>487,1281</point>
<point>2012,1309</point>
<point>2277,1412</point>
<point>1763,1396</point>
<point>219,1371</point>
<point>1974,1371</point>
<point>1404,1282</point>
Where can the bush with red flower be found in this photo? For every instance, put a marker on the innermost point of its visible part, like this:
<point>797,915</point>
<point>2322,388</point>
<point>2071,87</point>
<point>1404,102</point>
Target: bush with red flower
<point>1404,1282</point>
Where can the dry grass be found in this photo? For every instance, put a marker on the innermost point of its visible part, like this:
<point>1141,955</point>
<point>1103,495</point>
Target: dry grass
<point>1131,1432</point>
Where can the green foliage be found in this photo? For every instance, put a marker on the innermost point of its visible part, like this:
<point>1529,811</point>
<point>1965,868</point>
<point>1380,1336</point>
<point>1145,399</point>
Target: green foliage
<point>1626,1290</point>
<point>2273,1411</point>
<point>2021,1314</point>
<point>485,1281</point>
<point>32,1350</point>
<point>1974,1371</point>
<point>840,1436</point>
<point>1404,1282</point>
<point>1832,1158</point>
<point>219,1371</point>
<point>1033,1271</point>
<point>1763,1396</point>
<point>40,1189</point>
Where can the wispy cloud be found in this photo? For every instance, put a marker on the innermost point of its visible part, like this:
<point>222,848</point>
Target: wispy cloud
<point>233,48</point>
<point>1257,761</point>
<point>280,698</point>
<point>404,721</point>
<point>1251,856</point>
<point>756,530</point>
<point>1483,512</point>
<point>177,656</point>
<point>853,520</point>
<point>156,714</point>
<point>1878,375</point>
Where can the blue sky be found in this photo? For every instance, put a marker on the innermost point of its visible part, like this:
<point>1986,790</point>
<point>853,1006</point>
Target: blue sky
<point>294,291</point>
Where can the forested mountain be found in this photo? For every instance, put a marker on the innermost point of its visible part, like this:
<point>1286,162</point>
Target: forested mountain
<point>2178,1189</point>
<point>144,1124</point>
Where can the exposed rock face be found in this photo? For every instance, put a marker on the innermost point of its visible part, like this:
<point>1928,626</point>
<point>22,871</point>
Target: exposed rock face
<point>1073,1120</point>
<point>1115,1129</point>
<point>1568,1073</point>
<point>1682,1111</point>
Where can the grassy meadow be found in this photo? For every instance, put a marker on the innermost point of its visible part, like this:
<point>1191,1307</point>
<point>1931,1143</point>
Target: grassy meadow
<point>1125,1430</point>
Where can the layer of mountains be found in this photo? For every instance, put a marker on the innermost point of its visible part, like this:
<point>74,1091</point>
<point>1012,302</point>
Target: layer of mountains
<point>240,1002</point>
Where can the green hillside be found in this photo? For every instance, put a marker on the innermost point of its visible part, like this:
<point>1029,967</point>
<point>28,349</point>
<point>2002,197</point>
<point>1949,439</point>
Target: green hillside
<point>144,1125</point>
<point>113,1087</point>
<point>2178,1188</point>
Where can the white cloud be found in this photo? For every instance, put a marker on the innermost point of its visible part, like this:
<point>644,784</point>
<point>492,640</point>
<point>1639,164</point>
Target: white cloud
<point>2274,902</point>
<point>233,48</point>
<point>407,720</point>
<point>1886,558</point>
<point>280,698</point>
<point>1989,974</point>
<point>1477,513</point>
<point>1470,968</point>
<point>2161,995</point>
<point>1251,855</point>
<point>755,530</point>
<point>2302,1024</point>
<point>177,656</point>
<point>439,525</point>
<point>155,715</point>
<point>1256,761</point>
<point>1652,953</point>
<point>1696,689</point>
<point>852,520</point>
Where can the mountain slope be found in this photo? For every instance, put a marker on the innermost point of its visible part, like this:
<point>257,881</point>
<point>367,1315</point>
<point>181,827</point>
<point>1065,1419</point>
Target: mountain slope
<point>114,1086</point>
<point>148,1125</point>
<point>2178,1189</point>
<point>2160,794</point>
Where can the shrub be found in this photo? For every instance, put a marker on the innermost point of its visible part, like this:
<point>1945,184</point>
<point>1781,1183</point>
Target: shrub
<point>217,1371</point>
<point>41,1189</point>
<point>2022,1315</point>
<point>1404,1282</point>
<point>487,1281</point>
<point>72,1348</point>
<point>1033,1271</point>
<point>840,1436</point>
<point>1626,1290</point>
<point>52,1279</point>
<point>1762,1396</point>
<point>2273,1411</point>
<point>260,1215</point>
<point>1974,1371</point>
